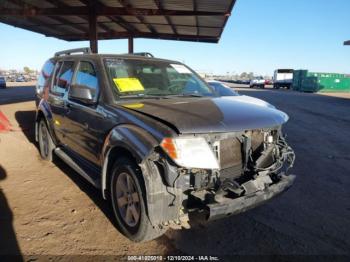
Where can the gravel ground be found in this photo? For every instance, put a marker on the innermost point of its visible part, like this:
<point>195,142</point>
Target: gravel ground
<point>48,209</point>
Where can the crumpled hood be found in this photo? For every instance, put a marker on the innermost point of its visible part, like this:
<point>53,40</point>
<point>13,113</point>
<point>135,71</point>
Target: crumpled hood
<point>209,115</point>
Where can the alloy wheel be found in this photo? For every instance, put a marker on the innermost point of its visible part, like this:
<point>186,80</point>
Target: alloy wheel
<point>128,199</point>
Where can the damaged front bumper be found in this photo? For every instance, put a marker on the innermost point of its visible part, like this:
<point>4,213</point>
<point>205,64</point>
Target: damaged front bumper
<point>224,206</point>
<point>254,168</point>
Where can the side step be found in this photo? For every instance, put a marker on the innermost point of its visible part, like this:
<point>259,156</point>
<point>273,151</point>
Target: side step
<point>69,160</point>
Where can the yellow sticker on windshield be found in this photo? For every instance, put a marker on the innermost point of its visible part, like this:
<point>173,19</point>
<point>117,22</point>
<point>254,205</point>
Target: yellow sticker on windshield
<point>128,84</point>
<point>134,106</point>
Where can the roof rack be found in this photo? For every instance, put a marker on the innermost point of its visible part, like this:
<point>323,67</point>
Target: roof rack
<point>146,54</point>
<point>85,50</point>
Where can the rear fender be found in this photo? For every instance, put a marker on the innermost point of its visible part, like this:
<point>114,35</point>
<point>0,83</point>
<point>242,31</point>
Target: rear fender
<point>44,110</point>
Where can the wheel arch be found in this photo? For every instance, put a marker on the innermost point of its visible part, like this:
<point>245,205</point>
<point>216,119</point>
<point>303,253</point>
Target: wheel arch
<point>124,140</point>
<point>163,203</point>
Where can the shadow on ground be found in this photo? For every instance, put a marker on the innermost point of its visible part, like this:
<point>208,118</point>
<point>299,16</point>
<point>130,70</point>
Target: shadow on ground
<point>26,122</point>
<point>8,240</point>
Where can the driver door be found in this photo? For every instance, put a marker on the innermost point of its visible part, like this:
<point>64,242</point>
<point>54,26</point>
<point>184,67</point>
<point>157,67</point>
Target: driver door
<point>84,120</point>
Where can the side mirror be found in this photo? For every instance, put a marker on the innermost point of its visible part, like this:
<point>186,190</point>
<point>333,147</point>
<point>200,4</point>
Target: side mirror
<point>82,94</point>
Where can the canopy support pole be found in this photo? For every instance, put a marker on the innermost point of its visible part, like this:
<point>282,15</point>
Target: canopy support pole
<point>93,30</point>
<point>131,45</point>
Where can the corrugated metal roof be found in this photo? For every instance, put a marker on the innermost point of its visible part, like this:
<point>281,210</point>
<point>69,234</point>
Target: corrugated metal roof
<point>190,20</point>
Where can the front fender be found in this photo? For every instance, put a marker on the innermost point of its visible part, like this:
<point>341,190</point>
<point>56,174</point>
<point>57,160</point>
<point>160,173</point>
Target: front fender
<point>164,203</point>
<point>132,138</point>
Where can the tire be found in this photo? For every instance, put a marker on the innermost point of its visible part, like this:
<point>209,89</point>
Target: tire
<point>127,194</point>
<point>46,145</point>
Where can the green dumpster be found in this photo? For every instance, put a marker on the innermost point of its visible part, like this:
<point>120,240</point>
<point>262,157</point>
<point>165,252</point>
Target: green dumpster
<point>306,81</point>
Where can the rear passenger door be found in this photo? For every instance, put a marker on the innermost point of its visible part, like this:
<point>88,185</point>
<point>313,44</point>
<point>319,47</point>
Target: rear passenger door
<point>84,121</point>
<point>58,94</point>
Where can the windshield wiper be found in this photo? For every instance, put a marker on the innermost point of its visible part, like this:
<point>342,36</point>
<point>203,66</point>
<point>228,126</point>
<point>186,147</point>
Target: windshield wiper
<point>188,95</point>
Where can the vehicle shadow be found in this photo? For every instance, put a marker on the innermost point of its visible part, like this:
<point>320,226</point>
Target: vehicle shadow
<point>9,247</point>
<point>26,122</point>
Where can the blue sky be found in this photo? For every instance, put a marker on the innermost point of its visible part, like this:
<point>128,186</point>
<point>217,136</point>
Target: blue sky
<point>261,35</point>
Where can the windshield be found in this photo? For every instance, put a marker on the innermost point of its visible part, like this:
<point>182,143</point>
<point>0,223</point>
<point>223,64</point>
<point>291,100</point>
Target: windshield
<point>222,90</point>
<point>144,78</point>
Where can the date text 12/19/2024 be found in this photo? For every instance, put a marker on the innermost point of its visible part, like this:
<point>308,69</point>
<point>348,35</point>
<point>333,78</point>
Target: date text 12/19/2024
<point>173,258</point>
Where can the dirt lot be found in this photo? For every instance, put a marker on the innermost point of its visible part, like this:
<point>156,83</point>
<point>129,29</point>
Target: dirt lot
<point>48,209</point>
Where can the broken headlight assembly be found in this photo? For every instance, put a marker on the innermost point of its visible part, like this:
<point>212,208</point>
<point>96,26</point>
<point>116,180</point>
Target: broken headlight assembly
<point>193,152</point>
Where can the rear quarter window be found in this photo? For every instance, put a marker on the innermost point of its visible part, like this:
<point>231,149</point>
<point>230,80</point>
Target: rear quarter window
<point>45,75</point>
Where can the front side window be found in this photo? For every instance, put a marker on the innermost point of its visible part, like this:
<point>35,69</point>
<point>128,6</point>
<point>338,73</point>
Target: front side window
<point>142,78</point>
<point>86,77</point>
<point>63,77</point>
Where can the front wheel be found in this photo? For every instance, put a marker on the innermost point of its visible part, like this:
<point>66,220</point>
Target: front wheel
<point>127,194</point>
<point>46,145</point>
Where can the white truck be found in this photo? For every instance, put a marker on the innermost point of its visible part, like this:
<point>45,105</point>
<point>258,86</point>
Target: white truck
<point>258,81</point>
<point>283,78</point>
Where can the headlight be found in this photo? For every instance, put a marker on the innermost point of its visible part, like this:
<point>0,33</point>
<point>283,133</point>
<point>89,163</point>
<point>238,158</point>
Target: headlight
<point>190,152</point>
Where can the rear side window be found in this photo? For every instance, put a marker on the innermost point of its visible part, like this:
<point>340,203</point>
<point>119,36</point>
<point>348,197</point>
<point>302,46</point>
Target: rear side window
<point>45,74</point>
<point>63,77</point>
<point>86,76</point>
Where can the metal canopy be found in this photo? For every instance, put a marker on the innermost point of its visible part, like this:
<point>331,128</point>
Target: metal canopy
<point>76,20</point>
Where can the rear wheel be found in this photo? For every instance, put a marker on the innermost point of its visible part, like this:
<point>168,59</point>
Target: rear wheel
<point>127,194</point>
<point>46,145</point>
